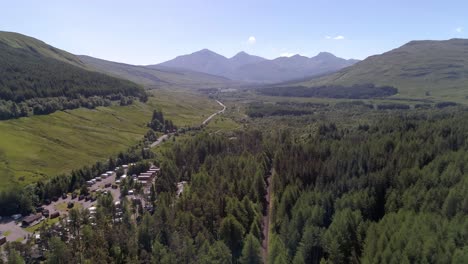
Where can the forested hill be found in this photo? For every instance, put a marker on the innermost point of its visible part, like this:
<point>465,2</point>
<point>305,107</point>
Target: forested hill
<point>31,69</point>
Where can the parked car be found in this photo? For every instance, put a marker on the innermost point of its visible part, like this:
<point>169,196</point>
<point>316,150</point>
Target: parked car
<point>47,201</point>
<point>74,195</point>
<point>55,198</point>
<point>45,213</point>
<point>64,196</point>
<point>16,216</point>
<point>81,197</point>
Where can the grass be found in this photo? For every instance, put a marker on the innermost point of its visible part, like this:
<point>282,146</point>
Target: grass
<point>35,148</point>
<point>7,233</point>
<point>425,69</point>
<point>46,222</point>
<point>63,207</point>
<point>184,108</point>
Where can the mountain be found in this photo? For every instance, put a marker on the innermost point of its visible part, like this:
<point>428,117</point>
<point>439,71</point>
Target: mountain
<point>249,68</point>
<point>157,76</point>
<point>31,69</point>
<point>37,47</point>
<point>417,69</point>
<point>204,60</point>
<point>289,68</point>
<point>242,58</point>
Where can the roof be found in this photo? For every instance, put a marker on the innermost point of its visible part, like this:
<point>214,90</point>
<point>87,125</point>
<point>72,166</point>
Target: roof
<point>31,218</point>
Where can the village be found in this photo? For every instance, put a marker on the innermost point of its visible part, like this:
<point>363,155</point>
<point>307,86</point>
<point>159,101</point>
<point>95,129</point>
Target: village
<point>23,228</point>
<point>53,215</point>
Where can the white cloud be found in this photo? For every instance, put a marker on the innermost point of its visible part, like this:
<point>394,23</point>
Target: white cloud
<point>459,29</point>
<point>252,40</point>
<point>338,37</point>
<point>287,54</point>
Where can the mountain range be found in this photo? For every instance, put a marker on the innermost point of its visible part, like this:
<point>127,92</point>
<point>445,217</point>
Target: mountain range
<point>248,68</point>
<point>157,76</point>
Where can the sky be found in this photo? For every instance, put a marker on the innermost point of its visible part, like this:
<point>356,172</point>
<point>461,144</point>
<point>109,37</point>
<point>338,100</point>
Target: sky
<point>149,32</point>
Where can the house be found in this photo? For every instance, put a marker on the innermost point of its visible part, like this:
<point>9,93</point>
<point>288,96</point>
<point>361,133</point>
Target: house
<point>55,215</point>
<point>28,220</point>
<point>144,177</point>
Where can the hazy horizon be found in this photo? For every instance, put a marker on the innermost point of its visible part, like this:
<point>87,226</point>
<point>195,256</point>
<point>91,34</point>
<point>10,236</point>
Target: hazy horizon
<point>148,32</point>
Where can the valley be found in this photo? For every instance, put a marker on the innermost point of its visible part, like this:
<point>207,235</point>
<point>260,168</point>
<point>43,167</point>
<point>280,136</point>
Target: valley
<point>39,147</point>
<point>150,147</point>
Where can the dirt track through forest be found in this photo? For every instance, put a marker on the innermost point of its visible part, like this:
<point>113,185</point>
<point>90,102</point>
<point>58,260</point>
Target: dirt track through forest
<point>266,221</point>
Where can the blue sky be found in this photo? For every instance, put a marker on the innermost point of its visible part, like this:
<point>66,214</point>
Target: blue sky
<point>148,32</point>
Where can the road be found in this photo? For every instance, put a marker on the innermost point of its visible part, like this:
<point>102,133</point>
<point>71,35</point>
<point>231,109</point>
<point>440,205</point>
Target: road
<point>164,137</point>
<point>217,113</point>
<point>14,230</point>
<point>266,221</point>
<point>160,140</point>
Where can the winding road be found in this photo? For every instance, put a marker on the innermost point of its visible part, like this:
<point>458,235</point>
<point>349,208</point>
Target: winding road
<point>164,137</point>
<point>217,113</point>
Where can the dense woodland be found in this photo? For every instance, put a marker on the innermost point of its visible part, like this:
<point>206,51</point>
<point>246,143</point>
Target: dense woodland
<point>387,190</point>
<point>31,83</point>
<point>361,91</point>
<point>391,192</point>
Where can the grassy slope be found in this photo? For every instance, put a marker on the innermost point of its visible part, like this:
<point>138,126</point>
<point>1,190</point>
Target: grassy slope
<point>37,147</point>
<point>157,77</point>
<point>17,40</point>
<point>437,67</point>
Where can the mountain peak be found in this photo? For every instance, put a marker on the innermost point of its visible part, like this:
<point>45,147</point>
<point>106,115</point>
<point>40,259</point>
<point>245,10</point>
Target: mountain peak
<point>325,54</point>
<point>206,51</point>
<point>241,54</point>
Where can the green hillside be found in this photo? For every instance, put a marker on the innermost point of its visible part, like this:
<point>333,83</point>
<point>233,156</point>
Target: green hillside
<point>38,147</point>
<point>31,69</point>
<point>19,41</point>
<point>157,76</point>
<point>423,69</point>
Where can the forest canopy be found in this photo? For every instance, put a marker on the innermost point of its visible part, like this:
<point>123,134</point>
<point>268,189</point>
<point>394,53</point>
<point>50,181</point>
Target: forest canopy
<point>357,91</point>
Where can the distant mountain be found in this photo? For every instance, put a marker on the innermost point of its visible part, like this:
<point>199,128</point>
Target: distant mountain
<point>30,69</point>
<point>204,60</point>
<point>242,58</point>
<point>249,68</point>
<point>157,76</point>
<point>417,69</point>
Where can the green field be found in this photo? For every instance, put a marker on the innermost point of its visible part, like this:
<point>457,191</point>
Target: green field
<point>37,147</point>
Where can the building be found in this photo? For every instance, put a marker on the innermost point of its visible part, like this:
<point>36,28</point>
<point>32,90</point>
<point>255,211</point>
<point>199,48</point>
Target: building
<point>28,220</point>
<point>144,177</point>
<point>56,214</point>
<point>2,240</point>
